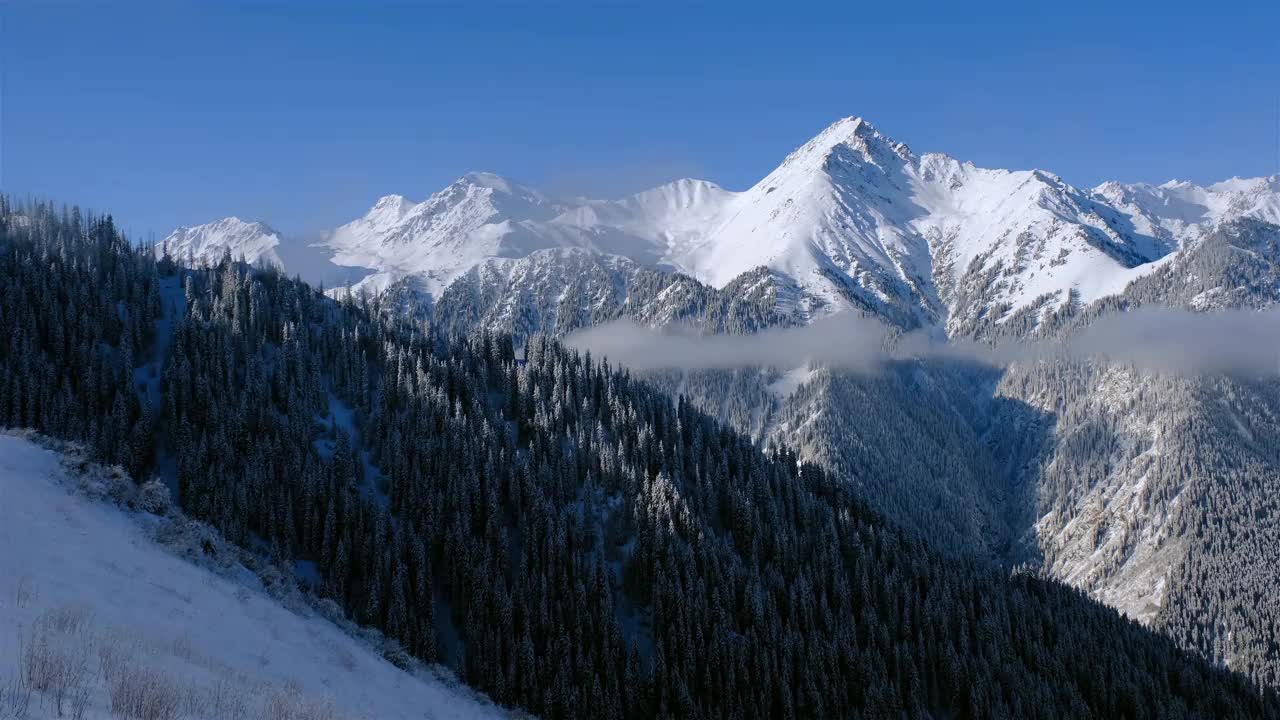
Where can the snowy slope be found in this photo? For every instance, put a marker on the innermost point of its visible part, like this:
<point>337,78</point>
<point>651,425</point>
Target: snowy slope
<point>851,219</point>
<point>96,572</point>
<point>667,222</point>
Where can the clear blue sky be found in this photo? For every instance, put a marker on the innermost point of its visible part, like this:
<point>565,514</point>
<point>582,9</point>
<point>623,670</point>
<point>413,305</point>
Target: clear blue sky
<point>304,114</point>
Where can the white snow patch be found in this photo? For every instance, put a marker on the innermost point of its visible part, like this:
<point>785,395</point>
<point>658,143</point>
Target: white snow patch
<point>791,381</point>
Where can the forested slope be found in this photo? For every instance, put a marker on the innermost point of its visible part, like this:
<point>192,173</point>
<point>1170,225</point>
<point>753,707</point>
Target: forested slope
<point>569,538</point>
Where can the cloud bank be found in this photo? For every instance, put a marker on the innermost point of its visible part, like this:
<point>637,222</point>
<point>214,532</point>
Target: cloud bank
<point>840,341</point>
<point>1237,341</point>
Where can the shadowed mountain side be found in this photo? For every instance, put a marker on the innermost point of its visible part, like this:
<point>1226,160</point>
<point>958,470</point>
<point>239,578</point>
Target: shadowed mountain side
<point>929,445</point>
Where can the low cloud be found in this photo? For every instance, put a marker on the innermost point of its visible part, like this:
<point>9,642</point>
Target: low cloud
<point>840,341</point>
<point>1244,341</point>
<point>1240,341</point>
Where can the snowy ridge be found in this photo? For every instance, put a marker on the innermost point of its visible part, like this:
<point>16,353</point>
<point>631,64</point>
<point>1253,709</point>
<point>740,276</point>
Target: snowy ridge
<point>560,290</point>
<point>852,219</point>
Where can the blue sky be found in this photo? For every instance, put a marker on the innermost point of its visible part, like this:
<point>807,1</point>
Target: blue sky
<point>303,115</point>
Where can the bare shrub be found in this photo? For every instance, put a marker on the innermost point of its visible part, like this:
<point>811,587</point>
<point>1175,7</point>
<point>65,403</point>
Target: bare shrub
<point>113,657</point>
<point>144,694</point>
<point>15,698</point>
<point>23,591</point>
<point>154,497</point>
<point>183,647</point>
<point>121,488</point>
<point>55,659</point>
<point>79,701</point>
<point>224,700</point>
<point>287,703</point>
<point>69,620</point>
<point>394,653</point>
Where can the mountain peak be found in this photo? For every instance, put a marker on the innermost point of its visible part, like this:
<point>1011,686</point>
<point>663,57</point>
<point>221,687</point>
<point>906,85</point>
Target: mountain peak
<point>233,222</point>
<point>389,209</point>
<point>501,196</point>
<point>859,132</point>
<point>495,182</point>
<point>230,225</point>
<point>857,135</point>
<point>849,130</point>
<point>690,189</point>
<point>389,201</point>
<point>243,239</point>
<point>851,126</point>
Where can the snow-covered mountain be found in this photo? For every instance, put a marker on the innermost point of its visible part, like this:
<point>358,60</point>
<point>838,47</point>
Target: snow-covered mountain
<point>856,218</point>
<point>1178,210</point>
<point>248,241</point>
<point>479,216</point>
<point>852,218</point>
<point>257,242</point>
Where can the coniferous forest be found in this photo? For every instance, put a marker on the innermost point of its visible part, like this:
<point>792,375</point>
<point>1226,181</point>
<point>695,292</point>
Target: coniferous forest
<point>568,538</point>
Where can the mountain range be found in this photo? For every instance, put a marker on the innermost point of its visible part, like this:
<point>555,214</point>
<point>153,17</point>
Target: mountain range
<point>851,219</point>
<point>1155,492</point>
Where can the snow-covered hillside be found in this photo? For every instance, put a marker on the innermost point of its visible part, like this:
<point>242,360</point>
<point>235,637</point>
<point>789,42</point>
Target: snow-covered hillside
<point>87,590</point>
<point>852,218</point>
